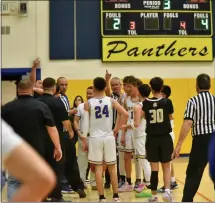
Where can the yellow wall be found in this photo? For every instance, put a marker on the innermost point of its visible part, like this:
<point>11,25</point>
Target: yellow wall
<point>182,90</point>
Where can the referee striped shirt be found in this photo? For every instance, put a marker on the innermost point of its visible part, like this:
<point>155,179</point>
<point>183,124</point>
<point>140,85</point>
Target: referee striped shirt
<point>116,97</point>
<point>201,110</point>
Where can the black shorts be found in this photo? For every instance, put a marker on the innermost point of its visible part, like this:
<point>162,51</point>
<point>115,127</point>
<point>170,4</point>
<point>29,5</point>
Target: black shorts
<point>159,148</point>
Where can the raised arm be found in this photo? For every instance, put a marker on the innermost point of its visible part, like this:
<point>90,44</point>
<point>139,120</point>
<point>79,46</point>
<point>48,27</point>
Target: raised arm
<point>108,89</point>
<point>33,73</point>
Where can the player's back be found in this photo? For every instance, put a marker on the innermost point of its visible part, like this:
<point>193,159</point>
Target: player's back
<point>101,117</point>
<point>157,111</point>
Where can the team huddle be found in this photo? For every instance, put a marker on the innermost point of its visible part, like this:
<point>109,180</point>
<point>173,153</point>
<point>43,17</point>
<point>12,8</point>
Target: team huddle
<point>142,131</point>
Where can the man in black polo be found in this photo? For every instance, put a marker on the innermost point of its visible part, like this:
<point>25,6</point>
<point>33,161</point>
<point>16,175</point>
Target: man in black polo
<point>64,127</point>
<point>30,118</point>
<point>62,121</point>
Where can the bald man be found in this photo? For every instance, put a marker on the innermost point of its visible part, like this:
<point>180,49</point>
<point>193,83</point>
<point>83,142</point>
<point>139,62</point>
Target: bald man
<point>29,118</point>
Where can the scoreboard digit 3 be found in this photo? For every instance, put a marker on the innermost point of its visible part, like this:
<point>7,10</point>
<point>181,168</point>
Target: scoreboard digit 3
<point>156,30</point>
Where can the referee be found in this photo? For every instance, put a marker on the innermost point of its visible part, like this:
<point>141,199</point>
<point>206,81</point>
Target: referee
<point>200,116</point>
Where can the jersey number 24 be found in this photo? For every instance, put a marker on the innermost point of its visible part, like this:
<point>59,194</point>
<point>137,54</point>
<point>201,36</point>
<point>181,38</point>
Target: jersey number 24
<point>156,115</point>
<point>99,111</point>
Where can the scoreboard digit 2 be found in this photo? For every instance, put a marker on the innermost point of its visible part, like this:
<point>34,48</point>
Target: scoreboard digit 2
<point>156,30</point>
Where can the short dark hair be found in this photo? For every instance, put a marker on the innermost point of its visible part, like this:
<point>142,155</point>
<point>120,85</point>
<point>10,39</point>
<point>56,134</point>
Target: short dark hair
<point>139,82</point>
<point>130,80</point>
<point>25,84</point>
<point>166,90</point>
<point>58,80</point>
<point>99,83</point>
<point>156,84</point>
<point>90,88</point>
<point>144,90</point>
<point>203,82</point>
<point>48,83</point>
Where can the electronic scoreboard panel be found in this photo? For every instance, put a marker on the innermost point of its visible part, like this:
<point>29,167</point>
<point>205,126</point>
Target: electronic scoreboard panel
<point>156,30</point>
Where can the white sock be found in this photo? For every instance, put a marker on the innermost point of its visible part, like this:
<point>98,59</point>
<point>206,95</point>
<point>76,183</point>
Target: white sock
<point>138,169</point>
<point>167,190</point>
<point>121,164</point>
<point>146,168</point>
<point>173,179</point>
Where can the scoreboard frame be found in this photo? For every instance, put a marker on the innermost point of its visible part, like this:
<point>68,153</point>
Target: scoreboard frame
<point>155,11</point>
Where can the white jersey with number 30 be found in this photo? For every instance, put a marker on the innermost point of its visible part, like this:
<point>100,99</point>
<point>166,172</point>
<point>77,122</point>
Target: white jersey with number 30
<point>101,117</point>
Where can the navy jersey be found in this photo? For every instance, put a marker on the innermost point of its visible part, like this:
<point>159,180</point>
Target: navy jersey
<point>157,115</point>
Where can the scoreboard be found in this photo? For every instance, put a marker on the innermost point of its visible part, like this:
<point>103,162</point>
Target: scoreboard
<point>156,30</point>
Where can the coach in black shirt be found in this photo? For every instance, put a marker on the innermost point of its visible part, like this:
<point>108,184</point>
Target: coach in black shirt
<point>30,118</point>
<point>61,118</point>
<point>200,115</point>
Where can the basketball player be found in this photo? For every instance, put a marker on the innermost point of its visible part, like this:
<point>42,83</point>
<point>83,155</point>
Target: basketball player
<point>159,145</point>
<point>98,119</point>
<point>139,126</point>
<point>82,155</point>
<point>125,139</point>
<point>166,92</point>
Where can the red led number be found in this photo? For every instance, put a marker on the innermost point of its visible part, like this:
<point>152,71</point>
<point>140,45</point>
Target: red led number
<point>183,25</point>
<point>132,25</point>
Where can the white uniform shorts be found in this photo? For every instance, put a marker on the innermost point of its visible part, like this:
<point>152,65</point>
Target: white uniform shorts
<point>140,149</point>
<point>102,150</point>
<point>129,141</point>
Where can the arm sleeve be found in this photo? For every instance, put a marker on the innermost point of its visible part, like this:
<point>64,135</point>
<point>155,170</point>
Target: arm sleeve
<point>10,140</point>
<point>47,116</point>
<point>190,111</point>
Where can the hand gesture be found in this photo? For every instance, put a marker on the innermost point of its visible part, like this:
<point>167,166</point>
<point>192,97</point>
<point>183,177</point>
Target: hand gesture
<point>73,111</point>
<point>115,131</point>
<point>176,152</point>
<point>57,154</point>
<point>123,140</point>
<point>107,75</point>
<point>124,127</point>
<point>36,63</point>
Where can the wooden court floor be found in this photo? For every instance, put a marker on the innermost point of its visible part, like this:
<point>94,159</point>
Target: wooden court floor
<point>205,192</point>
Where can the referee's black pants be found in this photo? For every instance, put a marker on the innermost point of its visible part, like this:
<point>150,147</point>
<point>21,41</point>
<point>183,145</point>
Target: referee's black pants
<point>70,163</point>
<point>197,163</point>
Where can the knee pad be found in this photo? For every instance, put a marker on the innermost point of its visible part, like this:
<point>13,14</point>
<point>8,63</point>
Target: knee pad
<point>154,180</point>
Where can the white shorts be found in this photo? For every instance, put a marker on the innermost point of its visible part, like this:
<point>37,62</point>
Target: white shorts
<point>129,141</point>
<point>102,150</point>
<point>140,150</point>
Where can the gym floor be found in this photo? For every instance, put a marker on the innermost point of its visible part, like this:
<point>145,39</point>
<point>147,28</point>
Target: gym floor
<point>205,193</point>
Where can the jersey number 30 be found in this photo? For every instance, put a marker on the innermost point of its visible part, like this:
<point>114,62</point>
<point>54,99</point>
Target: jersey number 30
<point>101,111</point>
<point>157,115</point>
